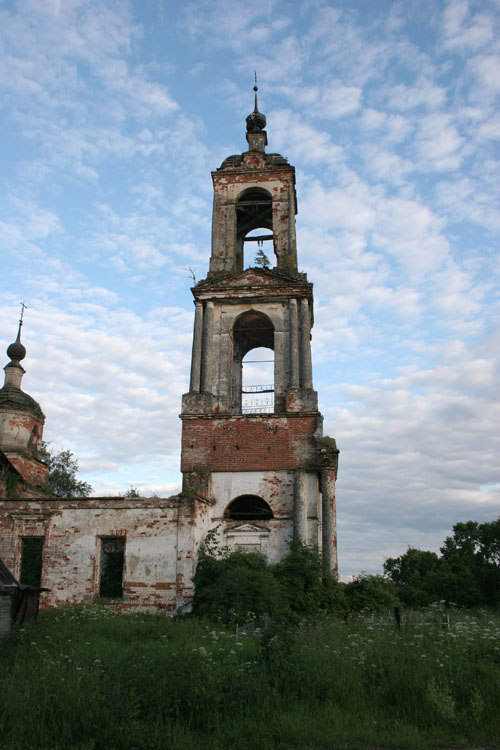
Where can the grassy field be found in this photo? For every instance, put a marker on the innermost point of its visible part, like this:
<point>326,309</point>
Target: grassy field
<point>91,679</point>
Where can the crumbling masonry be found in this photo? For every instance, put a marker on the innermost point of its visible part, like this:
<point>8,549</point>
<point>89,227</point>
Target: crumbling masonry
<point>258,469</point>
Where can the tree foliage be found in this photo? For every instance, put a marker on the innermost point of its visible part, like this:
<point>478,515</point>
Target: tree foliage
<point>261,259</point>
<point>237,586</point>
<point>132,492</point>
<point>372,593</point>
<point>61,479</point>
<point>467,573</point>
<point>307,585</point>
<point>415,575</point>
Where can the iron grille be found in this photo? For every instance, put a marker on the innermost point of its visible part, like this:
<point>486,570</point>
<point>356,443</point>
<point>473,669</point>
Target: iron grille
<point>257,399</point>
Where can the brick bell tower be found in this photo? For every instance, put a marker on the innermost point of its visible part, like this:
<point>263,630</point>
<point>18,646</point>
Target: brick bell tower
<point>254,460</point>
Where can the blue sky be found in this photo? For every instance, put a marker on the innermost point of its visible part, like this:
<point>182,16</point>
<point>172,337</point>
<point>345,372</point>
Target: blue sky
<point>113,114</point>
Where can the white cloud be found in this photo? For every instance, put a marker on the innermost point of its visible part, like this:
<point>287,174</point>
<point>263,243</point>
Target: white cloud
<point>438,142</point>
<point>315,146</point>
<point>386,165</point>
<point>463,31</point>
<point>465,199</point>
<point>423,94</point>
<point>390,127</point>
<point>486,68</point>
<point>331,100</point>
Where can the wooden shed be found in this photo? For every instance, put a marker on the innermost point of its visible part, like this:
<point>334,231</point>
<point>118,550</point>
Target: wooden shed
<point>8,586</point>
<point>18,602</point>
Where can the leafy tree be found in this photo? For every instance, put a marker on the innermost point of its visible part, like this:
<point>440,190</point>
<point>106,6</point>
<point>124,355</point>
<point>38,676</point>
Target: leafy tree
<point>236,587</point>
<point>261,259</point>
<point>308,585</point>
<point>370,592</point>
<point>471,558</point>
<point>416,575</point>
<point>132,492</point>
<point>467,573</point>
<point>61,479</point>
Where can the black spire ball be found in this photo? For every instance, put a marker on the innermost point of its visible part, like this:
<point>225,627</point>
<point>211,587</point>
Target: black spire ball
<point>256,122</point>
<point>16,351</point>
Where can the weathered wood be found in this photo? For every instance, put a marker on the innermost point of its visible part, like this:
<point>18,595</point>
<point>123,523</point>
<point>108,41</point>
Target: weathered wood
<point>5,605</point>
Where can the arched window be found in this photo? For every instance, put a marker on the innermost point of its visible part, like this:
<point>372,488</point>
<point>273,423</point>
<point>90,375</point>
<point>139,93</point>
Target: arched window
<point>257,381</point>
<point>254,211</point>
<point>248,508</point>
<point>253,331</point>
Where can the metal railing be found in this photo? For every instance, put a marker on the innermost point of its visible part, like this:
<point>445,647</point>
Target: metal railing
<point>257,399</point>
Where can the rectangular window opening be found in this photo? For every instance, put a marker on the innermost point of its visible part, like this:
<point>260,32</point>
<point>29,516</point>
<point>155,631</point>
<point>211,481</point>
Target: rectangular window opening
<point>112,563</point>
<point>31,560</point>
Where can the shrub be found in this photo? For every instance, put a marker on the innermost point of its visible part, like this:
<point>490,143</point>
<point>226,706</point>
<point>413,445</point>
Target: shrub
<point>309,586</point>
<point>236,588</point>
<point>370,593</point>
<point>233,587</point>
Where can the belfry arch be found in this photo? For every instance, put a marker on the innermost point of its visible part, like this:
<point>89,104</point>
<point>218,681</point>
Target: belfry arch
<point>251,330</point>
<point>254,210</point>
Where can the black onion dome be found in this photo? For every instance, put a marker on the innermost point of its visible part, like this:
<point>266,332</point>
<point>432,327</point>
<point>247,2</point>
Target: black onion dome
<point>256,121</point>
<point>16,351</point>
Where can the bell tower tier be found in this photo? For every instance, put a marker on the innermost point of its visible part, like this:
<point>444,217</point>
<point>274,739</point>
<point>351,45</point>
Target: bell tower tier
<point>254,458</point>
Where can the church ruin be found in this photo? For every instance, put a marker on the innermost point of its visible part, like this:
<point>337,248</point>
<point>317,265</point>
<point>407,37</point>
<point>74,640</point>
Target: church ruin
<point>254,460</point>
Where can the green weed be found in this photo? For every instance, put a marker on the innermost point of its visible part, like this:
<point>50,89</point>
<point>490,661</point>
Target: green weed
<point>93,679</point>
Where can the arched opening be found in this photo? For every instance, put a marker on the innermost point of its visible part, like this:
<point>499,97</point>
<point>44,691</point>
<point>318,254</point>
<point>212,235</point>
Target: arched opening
<point>248,508</point>
<point>257,381</point>
<point>253,331</point>
<point>254,226</point>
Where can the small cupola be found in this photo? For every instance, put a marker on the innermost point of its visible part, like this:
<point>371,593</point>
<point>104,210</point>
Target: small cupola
<point>256,122</point>
<point>21,418</point>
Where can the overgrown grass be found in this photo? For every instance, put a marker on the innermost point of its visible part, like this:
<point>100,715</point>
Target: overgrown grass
<point>91,679</point>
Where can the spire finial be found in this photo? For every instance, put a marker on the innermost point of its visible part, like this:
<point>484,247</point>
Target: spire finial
<point>17,351</point>
<point>256,122</point>
<point>23,308</point>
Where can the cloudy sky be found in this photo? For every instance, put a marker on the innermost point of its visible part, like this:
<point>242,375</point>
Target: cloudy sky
<point>112,115</point>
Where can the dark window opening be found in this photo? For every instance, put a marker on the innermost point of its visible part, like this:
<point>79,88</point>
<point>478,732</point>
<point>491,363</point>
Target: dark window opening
<point>248,508</point>
<point>254,210</point>
<point>31,560</point>
<point>112,562</point>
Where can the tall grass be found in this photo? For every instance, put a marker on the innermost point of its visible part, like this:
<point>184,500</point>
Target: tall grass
<point>90,678</point>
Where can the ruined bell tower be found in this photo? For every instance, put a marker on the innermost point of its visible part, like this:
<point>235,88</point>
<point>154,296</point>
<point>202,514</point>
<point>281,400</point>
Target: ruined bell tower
<point>254,460</point>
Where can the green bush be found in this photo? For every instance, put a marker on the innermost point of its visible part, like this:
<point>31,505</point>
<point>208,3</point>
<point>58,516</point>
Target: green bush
<point>308,585</point>
<point>372,593</point>
<point>235,587</point>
